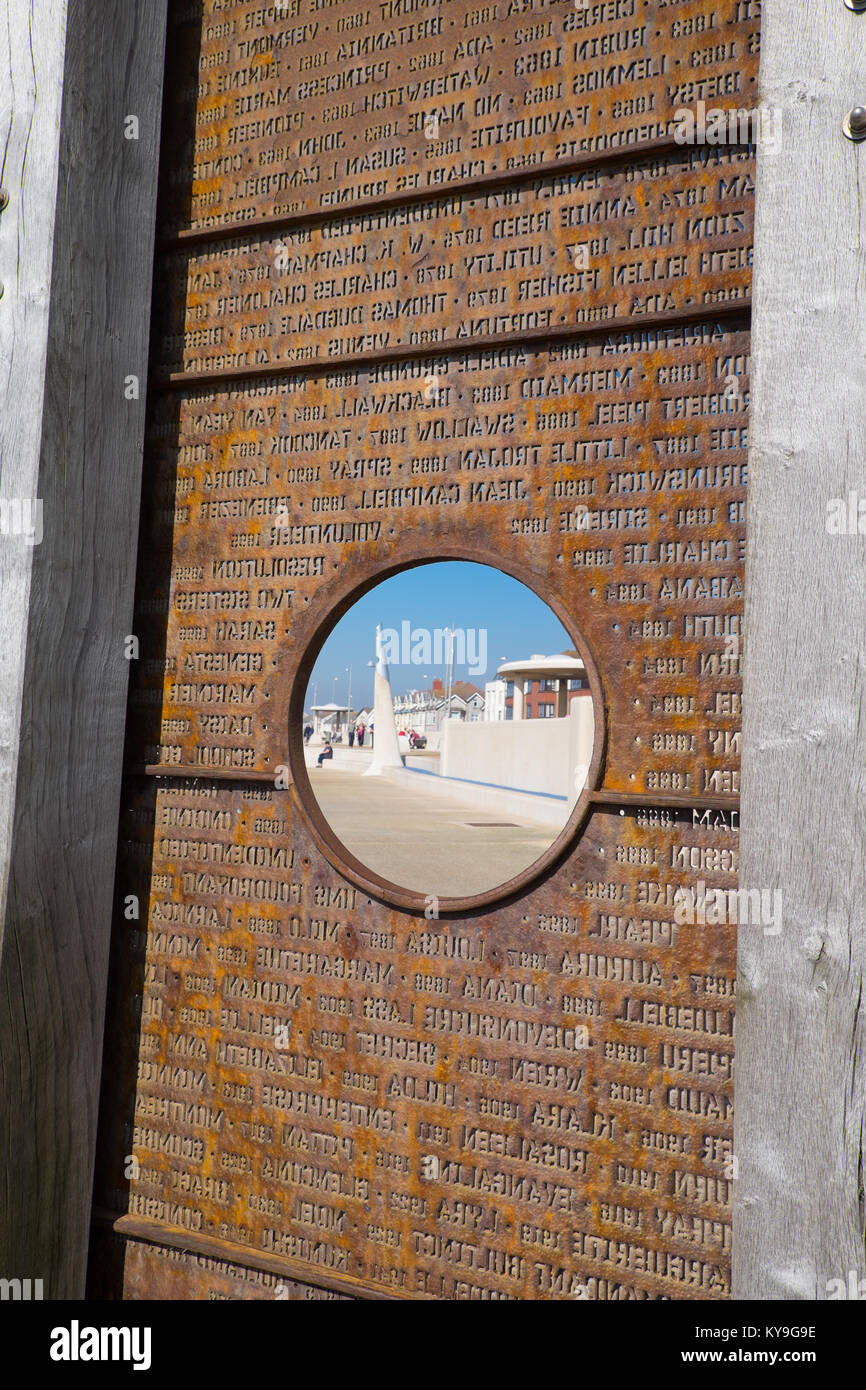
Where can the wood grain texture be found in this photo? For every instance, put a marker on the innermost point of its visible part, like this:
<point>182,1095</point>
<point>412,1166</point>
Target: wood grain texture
<point>29,148</point>
<point>800,1083</point>
<point>66,386</point>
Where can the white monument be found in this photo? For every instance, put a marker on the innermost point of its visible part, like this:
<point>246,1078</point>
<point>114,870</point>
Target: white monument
<point>386,746</point>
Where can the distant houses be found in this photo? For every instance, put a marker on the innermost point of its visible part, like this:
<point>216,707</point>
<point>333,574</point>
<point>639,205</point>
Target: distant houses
<point>537,687</point>
<point>426,710</point>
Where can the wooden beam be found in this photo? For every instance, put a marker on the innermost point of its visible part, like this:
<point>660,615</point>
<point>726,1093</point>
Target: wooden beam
<point>74,325</point>
<point>800,1100</point>
<point>28,179</point>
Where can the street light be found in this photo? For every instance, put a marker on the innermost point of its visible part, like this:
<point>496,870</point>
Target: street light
<point>449,632</point>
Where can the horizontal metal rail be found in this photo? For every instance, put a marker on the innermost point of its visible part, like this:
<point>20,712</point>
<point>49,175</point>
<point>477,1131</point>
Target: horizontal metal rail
<point>393,202</point>
<point>406,352</point>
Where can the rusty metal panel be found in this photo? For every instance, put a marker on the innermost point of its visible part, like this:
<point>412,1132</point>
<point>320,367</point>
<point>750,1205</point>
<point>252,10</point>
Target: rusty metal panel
<point>310,1081</point>
<point>319,106</point>
<point>655,236</point>
<point>610,473</point>
<point>169,1273</point>
<point>530,1103</point>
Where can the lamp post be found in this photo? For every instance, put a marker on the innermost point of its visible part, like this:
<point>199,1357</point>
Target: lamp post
<point>450,634</point>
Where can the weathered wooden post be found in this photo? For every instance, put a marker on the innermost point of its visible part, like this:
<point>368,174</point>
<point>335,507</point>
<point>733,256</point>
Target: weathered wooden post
<point>800,1091</point>
<point>80,100</point>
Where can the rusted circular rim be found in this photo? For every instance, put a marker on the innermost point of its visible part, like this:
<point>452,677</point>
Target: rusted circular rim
<point>345,595</point>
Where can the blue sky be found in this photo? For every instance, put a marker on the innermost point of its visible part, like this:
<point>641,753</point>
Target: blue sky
<point>499,616</point>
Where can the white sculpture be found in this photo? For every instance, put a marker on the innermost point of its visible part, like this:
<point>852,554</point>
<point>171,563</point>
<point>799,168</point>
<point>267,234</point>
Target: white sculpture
<point>386,746</point>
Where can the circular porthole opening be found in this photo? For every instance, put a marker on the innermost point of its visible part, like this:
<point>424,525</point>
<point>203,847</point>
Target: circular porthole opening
<point>448,731</point>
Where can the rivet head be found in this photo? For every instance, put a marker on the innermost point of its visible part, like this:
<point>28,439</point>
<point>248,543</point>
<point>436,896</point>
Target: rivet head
<point>4,200</point>
<point>855,123</point>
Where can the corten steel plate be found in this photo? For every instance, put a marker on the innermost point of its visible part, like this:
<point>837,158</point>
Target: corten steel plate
<point>651,237</point>
<point>170,1272</point>
<point>324,105</point>
<point>315,1085</point>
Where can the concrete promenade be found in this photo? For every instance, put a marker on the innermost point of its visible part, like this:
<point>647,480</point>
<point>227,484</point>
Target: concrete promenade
<point>431,845</point>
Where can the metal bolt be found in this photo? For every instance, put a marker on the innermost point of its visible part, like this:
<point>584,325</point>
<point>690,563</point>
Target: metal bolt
<point>4,200</point>
<point>855,123</point>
